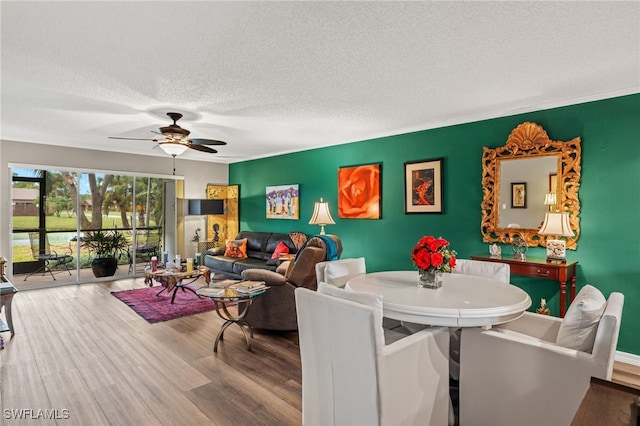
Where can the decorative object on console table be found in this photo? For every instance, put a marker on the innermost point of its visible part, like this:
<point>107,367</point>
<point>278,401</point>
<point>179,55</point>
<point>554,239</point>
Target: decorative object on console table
<point>321,215</point>
<point>495,251</point>
<point>556,225</point>
<point>519,247</point>
<point>543,310</point>
<point>540,268</point>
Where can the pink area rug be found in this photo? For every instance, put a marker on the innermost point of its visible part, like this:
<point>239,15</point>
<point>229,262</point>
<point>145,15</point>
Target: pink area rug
<point>159,308</point>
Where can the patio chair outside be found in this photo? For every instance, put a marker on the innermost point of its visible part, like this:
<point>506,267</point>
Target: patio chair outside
<point>147,246</point>
<point>50,259</point>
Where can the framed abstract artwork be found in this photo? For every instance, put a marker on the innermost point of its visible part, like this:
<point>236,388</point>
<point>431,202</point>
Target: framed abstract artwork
<point>359,194</point>
<point>519,195</point>
<point>423,186</point>
<point>283,202</point>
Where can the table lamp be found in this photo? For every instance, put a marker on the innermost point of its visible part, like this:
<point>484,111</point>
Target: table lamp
<point>321,215</point>
<point>550,200</point>
<point>556,224</point>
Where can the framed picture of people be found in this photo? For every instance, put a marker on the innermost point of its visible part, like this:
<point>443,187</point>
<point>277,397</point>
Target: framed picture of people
<point>283,202</point>
<point>423,186</point>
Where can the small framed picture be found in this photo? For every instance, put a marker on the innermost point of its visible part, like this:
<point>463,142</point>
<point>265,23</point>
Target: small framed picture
<point>519,195</point>
<point>423,186</point>
<point>553,183</point>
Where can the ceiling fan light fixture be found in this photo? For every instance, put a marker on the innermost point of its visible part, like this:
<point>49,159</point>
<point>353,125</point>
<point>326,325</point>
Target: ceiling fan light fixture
<point>173,148</point>
<point>174,132</point>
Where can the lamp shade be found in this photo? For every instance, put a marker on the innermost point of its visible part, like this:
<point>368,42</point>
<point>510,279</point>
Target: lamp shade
<point>321,215</point>
<point>556,224</point>
<point>205,207</point>
<point>173,148</point>
<point>550,199</point>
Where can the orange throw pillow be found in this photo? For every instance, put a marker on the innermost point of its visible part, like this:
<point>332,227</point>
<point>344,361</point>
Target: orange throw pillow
<point>236,248</point>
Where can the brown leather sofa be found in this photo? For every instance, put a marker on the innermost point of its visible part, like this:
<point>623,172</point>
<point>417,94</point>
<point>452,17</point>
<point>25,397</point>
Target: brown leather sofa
<point>276,308</point>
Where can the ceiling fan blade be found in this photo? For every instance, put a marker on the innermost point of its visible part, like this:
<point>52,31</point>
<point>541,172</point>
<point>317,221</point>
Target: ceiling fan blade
<point>206,142</point>
<point>133,139</point>
<point>202,148</point>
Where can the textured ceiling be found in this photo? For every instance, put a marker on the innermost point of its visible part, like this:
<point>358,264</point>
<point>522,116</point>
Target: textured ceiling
<point>276,77</point>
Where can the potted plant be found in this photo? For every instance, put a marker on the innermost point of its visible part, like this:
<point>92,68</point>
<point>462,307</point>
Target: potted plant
<point>107,247</point>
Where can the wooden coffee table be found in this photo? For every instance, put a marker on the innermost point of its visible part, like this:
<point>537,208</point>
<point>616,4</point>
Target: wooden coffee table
<point>172,281</point>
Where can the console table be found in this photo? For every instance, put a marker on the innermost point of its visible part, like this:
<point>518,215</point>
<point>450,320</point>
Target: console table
<point>540,268</point>
<point>7,290</point>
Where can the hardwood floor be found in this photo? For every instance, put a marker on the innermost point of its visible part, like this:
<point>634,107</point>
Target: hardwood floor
<point>89,359</point>
<point>79,349</point>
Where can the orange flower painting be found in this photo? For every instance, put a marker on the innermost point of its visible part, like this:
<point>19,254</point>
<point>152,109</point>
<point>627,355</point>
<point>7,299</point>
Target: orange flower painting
<point>359,192</point>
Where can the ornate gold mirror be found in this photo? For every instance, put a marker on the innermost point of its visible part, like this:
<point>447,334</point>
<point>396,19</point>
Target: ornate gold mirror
<point>516,181</point>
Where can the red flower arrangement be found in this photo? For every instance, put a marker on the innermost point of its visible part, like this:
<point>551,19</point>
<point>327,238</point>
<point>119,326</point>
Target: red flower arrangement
<point>433,254</point>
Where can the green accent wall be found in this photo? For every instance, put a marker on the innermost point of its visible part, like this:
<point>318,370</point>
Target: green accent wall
<point>609,245</point>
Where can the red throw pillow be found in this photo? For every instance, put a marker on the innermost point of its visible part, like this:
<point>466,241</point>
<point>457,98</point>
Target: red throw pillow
<point>281,248</point>
<point>236,248</point>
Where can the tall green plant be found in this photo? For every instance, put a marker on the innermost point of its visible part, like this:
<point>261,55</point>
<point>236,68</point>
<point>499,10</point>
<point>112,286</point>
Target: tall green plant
<point>107,243</point>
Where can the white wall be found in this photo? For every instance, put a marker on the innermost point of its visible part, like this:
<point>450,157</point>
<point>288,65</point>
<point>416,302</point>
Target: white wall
<point>196,174</point>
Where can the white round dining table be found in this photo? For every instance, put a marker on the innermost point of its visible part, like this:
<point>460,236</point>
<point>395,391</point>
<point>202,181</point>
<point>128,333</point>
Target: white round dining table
<point>462,301</point>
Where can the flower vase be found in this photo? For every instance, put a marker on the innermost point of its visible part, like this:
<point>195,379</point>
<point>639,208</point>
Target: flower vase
<point>429,278</point>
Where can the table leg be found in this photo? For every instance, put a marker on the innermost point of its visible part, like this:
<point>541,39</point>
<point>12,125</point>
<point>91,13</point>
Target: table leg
<point>223,312</point>
<point>573,288</point>
<point>563,298</point>
<point>6,303</point>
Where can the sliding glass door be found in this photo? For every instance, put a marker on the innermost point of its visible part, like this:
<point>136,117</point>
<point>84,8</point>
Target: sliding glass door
<point>56,212</point>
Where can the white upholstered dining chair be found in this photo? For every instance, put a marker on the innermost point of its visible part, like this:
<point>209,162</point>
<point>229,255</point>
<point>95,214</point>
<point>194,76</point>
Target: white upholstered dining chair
<point>349,375</point>
<point>499,271</point>
<point>536,370</point>
<point>338,272</point>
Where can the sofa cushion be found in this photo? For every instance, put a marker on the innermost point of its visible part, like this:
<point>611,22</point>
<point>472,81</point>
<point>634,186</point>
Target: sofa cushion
<point>250,263</point>
<point>281,248</point>
<point>298,239</point>
<point>256,243</point>
<point>273,242</point>
<point>580,324</point>
<point>236,248</point>
<point>220,264</point>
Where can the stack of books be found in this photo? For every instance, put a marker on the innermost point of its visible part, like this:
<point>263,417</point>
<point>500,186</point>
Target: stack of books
<point>249,287</point>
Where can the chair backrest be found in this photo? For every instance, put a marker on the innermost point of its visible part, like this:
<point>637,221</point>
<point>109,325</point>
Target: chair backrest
<point>34,240</point>
<point>499,271</point>
<point>604,346</point>
<point>302,270</point>
<point>338,272</point>
<point>149,238</point>
<point>339,356</point>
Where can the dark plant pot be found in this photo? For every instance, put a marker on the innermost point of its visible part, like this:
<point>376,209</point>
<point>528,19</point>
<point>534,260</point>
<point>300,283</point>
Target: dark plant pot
<point>104,266</point>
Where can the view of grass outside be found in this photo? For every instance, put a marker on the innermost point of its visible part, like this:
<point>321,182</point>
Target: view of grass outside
<point>60,242</point>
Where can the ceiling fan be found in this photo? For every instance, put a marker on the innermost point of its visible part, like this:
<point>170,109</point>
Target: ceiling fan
<point>175,141</point>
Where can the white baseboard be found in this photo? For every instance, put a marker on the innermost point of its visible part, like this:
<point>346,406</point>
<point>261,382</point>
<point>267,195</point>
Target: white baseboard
<point>628,358</point>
